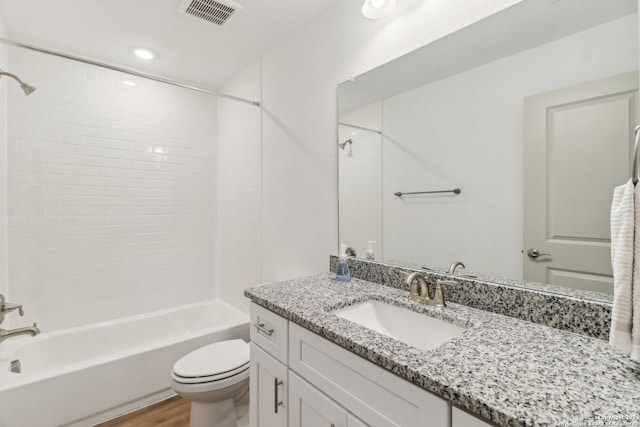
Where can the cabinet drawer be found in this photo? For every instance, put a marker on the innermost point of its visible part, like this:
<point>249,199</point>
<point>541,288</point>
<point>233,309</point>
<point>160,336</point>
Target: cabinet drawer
<point>377,397</point>
<point>270,332</point>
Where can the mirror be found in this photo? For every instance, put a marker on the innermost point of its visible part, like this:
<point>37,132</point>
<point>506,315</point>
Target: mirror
<point>529,113</point>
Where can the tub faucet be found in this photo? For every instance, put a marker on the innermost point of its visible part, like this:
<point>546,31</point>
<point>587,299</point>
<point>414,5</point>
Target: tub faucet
<point>6,334</point>
<point>454,265</point>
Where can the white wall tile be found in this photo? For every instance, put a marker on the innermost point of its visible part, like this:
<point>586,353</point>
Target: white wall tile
<point>112,194</point>
<point>240,189</point>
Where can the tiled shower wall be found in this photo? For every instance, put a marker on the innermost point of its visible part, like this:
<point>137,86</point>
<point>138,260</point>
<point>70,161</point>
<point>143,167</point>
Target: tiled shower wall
<point>112,193</point>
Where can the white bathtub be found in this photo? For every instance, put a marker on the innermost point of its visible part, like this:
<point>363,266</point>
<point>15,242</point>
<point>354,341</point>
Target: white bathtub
<point>85,375</point>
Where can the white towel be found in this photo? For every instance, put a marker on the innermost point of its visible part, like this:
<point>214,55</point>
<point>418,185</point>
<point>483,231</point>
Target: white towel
<point>622,238</point>
<point>623,232</point>
<point>635,283</point>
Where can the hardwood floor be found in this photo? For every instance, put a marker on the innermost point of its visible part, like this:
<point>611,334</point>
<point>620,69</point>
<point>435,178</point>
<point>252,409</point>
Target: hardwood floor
<point>173,412</point>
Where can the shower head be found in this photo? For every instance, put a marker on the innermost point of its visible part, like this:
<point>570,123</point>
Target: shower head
<point>342,145</point>
<point>28,89</point>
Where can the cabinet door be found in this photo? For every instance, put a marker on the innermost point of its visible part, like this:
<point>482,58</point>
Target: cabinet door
<point>353,421</point>
<point>309,407</point>
<point>460,418</point>
<point>268,393</point>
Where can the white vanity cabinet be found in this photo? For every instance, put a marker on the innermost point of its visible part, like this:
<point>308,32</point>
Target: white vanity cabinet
<point>316,383</point>
<point>460,418</point>
<point>268,394</point>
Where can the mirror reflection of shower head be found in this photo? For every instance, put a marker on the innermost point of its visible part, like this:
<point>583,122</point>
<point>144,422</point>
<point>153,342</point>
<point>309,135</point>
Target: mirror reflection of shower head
<point>28,89</point>
<point>342,145</point>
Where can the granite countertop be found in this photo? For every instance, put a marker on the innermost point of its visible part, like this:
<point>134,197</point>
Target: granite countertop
<point>508,371</point>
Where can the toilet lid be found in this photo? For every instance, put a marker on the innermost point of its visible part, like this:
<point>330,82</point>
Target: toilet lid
<point>223,357</point>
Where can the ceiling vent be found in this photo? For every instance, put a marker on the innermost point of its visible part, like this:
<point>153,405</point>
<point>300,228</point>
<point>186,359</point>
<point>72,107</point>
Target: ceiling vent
<point>215,12</point>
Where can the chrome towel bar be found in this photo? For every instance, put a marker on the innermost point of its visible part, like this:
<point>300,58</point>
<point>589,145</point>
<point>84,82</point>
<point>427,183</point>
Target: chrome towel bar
<point>455,191</point>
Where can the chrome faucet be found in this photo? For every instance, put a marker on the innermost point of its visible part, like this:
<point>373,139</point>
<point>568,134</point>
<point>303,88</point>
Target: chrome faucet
<point>6,334</point>
<point>415,280</point>
<point>419,289</point>
<point>454,265</point>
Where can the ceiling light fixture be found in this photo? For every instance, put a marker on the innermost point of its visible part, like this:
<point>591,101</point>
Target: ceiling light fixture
<point>376,9</point>
<point>143,53</point>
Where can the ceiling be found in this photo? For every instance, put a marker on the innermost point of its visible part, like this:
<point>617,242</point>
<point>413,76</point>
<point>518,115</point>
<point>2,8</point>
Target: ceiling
<point>188,49</point>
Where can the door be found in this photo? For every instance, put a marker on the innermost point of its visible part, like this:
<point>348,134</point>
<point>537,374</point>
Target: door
<point>578,143</point>
<point>268,390</point>
<point>309,407</point>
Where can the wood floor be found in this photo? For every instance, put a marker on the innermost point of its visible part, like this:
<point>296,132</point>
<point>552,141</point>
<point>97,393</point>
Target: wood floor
<point>173,412</point>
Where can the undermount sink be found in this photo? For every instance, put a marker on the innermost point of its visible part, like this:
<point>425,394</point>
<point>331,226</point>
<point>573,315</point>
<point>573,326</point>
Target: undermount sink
<point>414,329</point>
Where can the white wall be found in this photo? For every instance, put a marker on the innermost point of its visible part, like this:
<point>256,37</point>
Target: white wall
<point>466,131</point>
<point>112,193</point>
<point>299,77</point>
<point>4,289</point>
<point>240,189</point>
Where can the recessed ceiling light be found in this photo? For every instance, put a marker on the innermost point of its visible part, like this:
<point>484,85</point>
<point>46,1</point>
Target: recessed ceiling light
<point>376,9</point>
<point>143,53</point>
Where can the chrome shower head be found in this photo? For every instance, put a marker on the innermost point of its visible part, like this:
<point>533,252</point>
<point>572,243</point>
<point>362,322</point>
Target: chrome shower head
<point>28,89</point>
<point>342,145</point>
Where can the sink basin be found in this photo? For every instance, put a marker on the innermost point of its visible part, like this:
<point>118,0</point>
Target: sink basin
<point>414,329</point>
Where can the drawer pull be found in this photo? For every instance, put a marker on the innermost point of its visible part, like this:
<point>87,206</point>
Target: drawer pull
<point>276,400</point>
<point>261,328</point>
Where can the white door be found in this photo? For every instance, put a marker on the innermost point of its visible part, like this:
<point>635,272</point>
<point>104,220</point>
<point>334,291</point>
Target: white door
<point>268,390</point>
<point>578,143</point>
<point>309,407</point>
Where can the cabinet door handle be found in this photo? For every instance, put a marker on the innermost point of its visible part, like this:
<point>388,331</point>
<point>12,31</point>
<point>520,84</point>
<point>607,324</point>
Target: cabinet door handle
<point>276,399</point>
<point>261,328</point>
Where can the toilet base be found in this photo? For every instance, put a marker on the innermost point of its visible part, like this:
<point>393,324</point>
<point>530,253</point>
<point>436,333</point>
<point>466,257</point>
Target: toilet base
<point>218,414</point>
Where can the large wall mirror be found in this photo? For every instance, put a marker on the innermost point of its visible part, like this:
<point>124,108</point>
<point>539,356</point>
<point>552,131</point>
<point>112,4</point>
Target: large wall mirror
<point>529,113</point>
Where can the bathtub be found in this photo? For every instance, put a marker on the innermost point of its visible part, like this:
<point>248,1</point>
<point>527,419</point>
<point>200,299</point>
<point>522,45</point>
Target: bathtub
<point>89,374</point>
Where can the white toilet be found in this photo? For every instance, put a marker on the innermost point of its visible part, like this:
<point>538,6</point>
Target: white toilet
<point>215,378</point>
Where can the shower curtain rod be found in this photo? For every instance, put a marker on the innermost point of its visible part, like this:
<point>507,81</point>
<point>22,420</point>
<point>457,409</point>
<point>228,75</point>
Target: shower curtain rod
<point>360,127</point>
<point>128,71</point>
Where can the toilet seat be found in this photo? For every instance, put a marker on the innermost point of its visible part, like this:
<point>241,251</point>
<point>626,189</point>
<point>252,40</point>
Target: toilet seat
<point>224,360</point>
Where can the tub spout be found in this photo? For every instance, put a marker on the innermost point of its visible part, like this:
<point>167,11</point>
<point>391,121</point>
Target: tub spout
<point>6,334</point>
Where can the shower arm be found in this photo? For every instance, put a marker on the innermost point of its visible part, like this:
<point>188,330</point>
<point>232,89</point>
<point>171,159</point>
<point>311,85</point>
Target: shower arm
<point>13,76</point>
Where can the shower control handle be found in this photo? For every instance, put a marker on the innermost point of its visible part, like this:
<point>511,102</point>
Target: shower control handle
<point>534,253</point>
<point>276,400</point>
<point>260,327</point>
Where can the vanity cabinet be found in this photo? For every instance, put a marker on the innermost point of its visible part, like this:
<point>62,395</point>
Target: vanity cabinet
<point>269,385</point>
<point>268,390</point>
<point>460,418</point>
<point>309,407</point>
<point>299,379</point>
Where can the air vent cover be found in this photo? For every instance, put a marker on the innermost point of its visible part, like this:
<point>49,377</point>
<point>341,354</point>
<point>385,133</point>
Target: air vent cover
<point>215,12</point>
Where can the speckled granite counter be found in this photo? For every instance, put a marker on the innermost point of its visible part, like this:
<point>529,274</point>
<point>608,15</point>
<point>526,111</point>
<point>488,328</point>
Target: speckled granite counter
<point>507,371</point>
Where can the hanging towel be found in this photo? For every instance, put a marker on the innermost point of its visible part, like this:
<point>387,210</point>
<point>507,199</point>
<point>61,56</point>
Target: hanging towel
<point>623,232</point>
<point>622,239</point>
<point>635,283</point>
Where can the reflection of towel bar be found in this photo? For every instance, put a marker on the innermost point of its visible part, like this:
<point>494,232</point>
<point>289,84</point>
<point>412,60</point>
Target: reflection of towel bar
<point>455,191</point>
<point>634,169</point>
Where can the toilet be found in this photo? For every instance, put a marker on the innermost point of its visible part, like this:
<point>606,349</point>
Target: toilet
<point>215,378</point>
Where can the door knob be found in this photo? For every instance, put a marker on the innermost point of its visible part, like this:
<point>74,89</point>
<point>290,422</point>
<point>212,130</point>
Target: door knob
<point>534,253</point>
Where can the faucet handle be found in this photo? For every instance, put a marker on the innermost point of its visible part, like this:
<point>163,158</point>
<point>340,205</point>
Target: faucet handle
<point>9,307</point>
<point>438,296</point>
